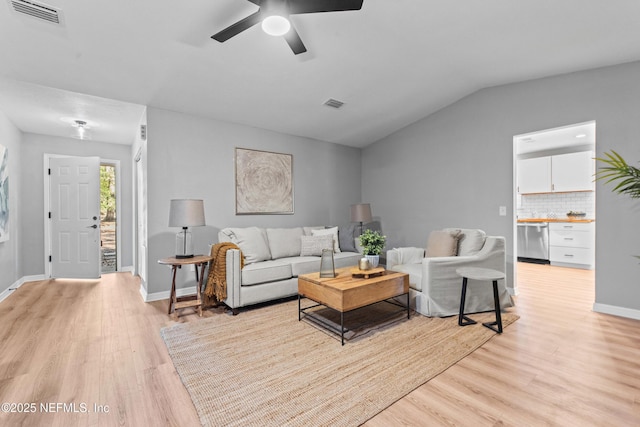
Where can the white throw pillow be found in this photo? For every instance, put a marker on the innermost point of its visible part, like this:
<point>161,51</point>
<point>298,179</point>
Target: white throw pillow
<point>313,245</point>
<point>252,242</point>
<point>333,231</point>
<point>471,240</point>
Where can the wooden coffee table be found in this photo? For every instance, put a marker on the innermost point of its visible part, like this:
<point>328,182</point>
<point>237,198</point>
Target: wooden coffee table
<point>345,292</point>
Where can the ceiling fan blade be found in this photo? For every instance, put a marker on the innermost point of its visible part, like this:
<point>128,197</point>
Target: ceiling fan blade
<point>294,41</point>
<point>315,6</point>
<point>238,27</point>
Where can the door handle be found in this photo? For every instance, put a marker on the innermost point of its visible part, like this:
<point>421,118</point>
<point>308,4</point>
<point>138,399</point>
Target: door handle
<point>92,226</point>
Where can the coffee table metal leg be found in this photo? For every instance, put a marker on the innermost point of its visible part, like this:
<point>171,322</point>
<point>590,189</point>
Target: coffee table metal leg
<point>408,307</point>
<point>299,312</point>
<point>342,326</point>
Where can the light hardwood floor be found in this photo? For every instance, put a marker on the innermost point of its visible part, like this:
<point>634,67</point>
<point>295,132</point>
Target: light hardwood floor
<point>96,343</point>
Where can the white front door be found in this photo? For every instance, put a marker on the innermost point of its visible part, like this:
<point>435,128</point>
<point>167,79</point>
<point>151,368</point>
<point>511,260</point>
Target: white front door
<point>75,217</point>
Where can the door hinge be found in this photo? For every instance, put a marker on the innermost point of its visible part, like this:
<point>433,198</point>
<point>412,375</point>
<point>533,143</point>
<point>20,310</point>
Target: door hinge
<point>49,258</point>
<point>49,215</point>
<point>49,171</point>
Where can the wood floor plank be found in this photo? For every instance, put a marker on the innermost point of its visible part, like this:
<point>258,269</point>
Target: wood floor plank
<point>97,342</point>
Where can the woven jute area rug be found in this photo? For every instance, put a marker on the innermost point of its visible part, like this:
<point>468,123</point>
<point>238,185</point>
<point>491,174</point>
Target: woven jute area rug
<point>263,367</point>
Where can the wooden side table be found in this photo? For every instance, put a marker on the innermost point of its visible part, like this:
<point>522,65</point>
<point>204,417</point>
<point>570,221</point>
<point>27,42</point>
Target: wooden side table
<point>176,303</point>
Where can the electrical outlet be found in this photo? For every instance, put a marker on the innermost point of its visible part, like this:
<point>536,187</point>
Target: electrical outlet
<point>503,211</point>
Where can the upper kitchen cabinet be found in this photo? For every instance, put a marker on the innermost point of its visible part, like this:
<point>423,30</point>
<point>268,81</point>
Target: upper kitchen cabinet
<point>534,175</point>
<point>573,172</point>
<point>559,173</point>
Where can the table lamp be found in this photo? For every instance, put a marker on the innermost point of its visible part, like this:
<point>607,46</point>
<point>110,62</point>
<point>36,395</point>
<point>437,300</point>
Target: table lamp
<point>185,213</point>
<point>361,213</point>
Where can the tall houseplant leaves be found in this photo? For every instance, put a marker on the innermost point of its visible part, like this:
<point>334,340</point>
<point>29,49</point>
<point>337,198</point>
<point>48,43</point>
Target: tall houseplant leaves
<point>625,176</point>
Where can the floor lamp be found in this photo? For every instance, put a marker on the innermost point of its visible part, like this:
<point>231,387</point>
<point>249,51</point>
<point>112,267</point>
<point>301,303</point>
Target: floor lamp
<point>361,213</point>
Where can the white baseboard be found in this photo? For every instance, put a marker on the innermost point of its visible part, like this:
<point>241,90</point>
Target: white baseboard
<point>157,296</point>
<point>19,283</point>
<point>128,268</point>
<point>617,311</point>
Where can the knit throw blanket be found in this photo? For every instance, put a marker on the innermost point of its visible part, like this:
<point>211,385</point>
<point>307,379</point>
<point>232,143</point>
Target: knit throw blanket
<point>216,288</point>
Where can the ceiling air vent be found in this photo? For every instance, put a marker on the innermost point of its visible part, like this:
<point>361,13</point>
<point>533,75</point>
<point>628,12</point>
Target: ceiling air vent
<point>333,103</point>
<point>39,11</point>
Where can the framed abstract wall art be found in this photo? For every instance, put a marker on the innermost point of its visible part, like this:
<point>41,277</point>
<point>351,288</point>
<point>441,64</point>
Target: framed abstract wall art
<point>4,193</point>
<point>264,182</point>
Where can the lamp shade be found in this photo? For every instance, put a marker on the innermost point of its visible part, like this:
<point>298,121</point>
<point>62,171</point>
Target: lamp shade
<point>186,213</point>
<point>361,212</point>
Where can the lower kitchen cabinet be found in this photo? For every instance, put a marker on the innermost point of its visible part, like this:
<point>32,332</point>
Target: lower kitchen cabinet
<point>572,244</point>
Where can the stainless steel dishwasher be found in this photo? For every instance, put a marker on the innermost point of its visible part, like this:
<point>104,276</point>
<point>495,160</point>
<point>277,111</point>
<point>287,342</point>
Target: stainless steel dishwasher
<point>533,242</point>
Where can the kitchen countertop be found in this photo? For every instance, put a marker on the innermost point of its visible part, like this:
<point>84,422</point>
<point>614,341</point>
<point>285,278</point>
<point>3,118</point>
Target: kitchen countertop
<point>555,220</point>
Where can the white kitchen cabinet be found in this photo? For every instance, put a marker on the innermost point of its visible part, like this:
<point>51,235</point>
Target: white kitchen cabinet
<point>559,173</point>
<point>572,244</point>
<point>573,172</point>
<point>534,175</point>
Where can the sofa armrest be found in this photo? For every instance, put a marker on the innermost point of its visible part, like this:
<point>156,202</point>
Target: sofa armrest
<point>408,255</point>
<point>234,278</point>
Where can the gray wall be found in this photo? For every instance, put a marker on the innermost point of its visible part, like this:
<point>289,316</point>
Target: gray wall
<point>193,157</point>
<point>34,147</point>
<point>10,262</point>
<point>455,167</point>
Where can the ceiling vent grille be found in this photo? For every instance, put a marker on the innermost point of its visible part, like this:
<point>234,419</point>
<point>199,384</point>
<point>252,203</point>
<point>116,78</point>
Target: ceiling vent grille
<point>39,11</point>
<point>333,103</point>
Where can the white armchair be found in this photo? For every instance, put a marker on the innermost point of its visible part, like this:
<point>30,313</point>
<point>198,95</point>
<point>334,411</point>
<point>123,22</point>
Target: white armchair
<point>435,287</point>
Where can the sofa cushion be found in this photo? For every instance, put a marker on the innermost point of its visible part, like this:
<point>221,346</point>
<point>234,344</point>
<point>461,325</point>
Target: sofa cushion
<point>346,259</point>
<point>313,245</point>
<point>332,231</point>
<point>346,235</point>
<point>284,242</point>
<point>471,240</point>
<point>266,271</point>
<point>252,242</point>
<point>415,274</point>
<point>304,265</point>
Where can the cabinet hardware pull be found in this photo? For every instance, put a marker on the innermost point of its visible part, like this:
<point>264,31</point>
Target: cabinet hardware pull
<point>568,238</point>
<point>568,255</point>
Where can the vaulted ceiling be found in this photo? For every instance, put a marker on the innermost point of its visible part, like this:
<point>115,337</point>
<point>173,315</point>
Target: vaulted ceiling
<point>391,63</point>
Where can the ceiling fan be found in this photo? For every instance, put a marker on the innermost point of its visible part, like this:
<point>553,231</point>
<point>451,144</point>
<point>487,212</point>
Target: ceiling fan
<point>274,15</point>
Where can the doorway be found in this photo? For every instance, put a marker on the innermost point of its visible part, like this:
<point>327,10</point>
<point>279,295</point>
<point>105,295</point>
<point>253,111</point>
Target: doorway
<point>108,219</point>
<point>554,193</point>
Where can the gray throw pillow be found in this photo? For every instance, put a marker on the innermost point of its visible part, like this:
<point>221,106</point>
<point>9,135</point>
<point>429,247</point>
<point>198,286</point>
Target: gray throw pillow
<point>346,235</point>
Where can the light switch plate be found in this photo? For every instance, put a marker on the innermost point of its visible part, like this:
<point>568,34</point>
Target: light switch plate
<point>503,211</point>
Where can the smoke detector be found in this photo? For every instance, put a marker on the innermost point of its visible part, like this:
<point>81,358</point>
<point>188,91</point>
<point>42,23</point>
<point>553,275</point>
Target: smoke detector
<point>39,11</point>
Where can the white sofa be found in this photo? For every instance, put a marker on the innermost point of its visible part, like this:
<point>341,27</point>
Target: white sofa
<point>435,287</point>
<point>273,261</point>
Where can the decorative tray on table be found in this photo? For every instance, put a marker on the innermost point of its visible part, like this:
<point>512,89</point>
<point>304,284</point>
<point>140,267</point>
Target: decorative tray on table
<point>372,272</point>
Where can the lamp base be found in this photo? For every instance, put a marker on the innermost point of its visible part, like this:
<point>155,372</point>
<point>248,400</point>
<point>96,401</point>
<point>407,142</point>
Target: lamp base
<point>184,244</point>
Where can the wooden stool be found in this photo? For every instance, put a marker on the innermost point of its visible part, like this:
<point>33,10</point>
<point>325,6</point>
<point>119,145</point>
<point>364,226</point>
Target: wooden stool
<point>477,273</point>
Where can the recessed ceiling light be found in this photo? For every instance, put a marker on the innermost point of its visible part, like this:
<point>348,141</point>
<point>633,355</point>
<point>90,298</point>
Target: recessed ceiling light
<point>582,135</point>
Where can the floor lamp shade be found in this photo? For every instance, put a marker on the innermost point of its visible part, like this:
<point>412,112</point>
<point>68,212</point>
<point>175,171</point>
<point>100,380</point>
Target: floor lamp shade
<point>361,213</point>
<point>185,213</point>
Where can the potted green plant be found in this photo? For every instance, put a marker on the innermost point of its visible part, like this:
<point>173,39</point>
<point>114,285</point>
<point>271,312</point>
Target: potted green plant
<point>626,177</point>
<point>372,243</point>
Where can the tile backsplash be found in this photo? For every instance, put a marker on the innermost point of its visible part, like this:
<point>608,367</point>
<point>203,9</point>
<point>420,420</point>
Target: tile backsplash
<point>557,205</point>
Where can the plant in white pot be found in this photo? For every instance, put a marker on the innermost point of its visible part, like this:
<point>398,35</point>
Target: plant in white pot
<point>372,243</point>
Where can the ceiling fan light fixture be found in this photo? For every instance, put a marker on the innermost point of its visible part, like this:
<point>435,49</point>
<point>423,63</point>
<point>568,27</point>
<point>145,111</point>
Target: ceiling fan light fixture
<point>276,25</point>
